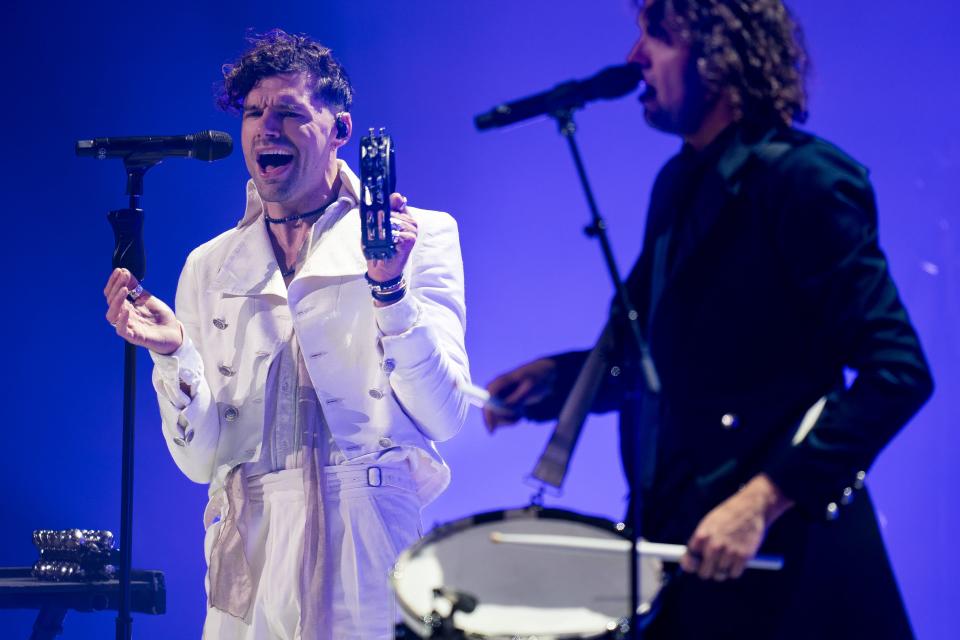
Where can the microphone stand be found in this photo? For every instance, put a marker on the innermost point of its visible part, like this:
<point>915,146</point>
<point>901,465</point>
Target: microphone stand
<point>129,254</point>
<point>598,229</point>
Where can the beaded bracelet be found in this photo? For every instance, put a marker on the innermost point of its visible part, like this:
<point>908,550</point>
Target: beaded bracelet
<point>386,290</point>
<point>393,296</point>
<point>386,284</point>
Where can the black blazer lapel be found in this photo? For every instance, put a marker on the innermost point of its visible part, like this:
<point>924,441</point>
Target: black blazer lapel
<point>718,187</point>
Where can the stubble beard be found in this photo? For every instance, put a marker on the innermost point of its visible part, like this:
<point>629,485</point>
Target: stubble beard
<point>684,120</point>
<point>688,117</point>
<point>272,191</point>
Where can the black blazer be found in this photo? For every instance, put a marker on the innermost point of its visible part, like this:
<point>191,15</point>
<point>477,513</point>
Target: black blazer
<point>777,285</point>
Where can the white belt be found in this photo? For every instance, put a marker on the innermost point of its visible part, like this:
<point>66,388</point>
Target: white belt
<point>338,478</point>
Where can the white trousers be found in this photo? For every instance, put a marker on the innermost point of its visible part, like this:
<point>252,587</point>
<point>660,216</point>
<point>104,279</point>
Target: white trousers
<point>368,528</point>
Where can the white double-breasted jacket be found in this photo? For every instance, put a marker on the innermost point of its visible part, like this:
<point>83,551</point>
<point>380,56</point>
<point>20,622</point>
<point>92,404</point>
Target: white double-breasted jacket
<point>386,377</point>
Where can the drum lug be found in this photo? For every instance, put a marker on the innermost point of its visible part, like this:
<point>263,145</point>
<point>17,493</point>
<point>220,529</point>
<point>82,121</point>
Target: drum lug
<point>441,628</point>
<point>536,500</point>
<point>619,630</point>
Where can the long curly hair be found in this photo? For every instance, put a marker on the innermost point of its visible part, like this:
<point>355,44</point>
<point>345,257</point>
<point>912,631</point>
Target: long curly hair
<point>750,50</point>
<point>277,52</point>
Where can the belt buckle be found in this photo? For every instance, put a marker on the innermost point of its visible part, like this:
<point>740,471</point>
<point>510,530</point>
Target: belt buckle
<point>374,477</point>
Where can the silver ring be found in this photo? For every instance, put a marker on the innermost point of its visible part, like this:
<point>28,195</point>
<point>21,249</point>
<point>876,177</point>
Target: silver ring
<point>133,295</point>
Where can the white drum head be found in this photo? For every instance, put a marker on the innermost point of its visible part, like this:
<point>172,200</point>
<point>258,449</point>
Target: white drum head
<point>521,589</point>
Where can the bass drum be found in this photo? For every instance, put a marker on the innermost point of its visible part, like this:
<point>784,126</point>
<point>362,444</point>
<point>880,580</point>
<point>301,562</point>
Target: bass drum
<point>520,589</point>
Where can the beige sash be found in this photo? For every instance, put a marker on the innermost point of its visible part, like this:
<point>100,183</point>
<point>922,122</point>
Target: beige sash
<point>231,582</point>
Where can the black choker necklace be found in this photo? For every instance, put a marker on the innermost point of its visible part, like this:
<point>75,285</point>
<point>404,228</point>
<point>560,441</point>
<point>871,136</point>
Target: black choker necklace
<point>297,216</point>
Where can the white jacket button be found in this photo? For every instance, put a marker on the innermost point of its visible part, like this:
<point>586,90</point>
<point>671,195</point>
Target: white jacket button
<point>389,365</point>
<point>376,394</point>
<point>861,478</point>
<point>220,323</point>
<point>225,370</point>
<point>231,413</point>
<point>386,443</point>
<point>729,421</point>
<point>833,511</point>
<point>180,442</point>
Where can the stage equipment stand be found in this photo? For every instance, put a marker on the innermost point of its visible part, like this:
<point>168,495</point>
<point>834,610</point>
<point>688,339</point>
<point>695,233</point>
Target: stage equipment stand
<point>19,589</point>
<point>638,366</point>
<point>129,254</point>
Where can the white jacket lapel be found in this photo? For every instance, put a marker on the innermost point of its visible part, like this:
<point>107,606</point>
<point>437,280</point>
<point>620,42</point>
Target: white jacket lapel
<point>250,267</point>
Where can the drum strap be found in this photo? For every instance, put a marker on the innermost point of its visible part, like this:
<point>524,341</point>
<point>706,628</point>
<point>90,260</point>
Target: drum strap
<point>552,466</point>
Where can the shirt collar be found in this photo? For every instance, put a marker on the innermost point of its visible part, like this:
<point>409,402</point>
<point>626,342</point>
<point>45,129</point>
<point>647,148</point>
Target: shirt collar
<point>347,198</point>
<point>712,151</point>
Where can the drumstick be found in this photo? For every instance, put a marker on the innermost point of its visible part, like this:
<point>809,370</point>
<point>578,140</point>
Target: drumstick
<point>478,396</point>
<point>659,550</point>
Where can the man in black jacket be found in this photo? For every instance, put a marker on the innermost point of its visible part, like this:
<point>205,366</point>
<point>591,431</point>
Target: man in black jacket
<point>786,357</point>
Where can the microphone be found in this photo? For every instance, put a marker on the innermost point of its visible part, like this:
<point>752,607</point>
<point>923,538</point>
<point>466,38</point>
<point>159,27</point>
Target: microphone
<point>609,83</point>
<point>205,145</point>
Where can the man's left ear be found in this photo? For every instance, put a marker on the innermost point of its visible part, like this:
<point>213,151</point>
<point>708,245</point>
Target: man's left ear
<point>344,124</point>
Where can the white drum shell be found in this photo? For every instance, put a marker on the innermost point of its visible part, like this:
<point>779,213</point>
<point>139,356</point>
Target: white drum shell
<point>522,590</point>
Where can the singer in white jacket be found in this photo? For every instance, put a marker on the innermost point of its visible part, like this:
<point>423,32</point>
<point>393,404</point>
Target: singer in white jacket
<point>304,383</point>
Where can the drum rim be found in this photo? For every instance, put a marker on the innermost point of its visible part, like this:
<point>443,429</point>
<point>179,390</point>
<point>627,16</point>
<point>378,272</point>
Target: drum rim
<point>447,529</point>
<point>454,526</point>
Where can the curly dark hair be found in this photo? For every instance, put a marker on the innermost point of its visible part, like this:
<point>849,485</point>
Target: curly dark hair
<point>277,52</point>
<point>750,50</point>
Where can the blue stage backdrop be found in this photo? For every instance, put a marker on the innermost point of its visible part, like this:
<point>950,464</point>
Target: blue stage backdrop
<point>884,86</point>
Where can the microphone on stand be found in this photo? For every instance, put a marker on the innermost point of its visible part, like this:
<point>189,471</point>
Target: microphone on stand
<point>139,154</point>
<point>205,145</point>
<point>609,83</point>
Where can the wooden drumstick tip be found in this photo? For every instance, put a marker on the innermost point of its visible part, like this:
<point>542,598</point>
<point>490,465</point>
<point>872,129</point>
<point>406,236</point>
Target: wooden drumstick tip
<point>477,396</point>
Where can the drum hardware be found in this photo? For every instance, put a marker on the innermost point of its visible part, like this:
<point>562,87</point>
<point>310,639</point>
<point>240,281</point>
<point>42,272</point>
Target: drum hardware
<point>540,491</point>
<point>459,600</point>
<point>536,500</point>
<point>441,626</point>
